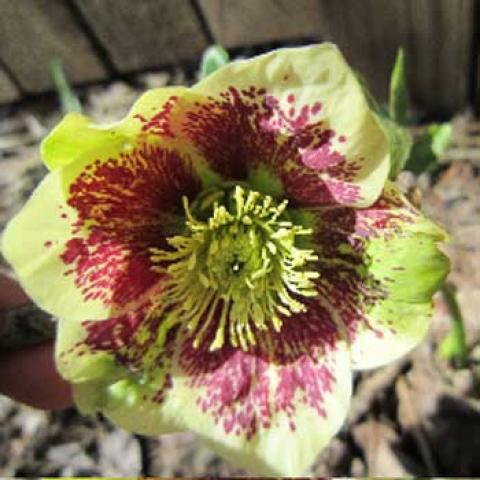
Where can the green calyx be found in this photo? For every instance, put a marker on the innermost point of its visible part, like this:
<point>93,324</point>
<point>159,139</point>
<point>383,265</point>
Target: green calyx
<point>236,268</point>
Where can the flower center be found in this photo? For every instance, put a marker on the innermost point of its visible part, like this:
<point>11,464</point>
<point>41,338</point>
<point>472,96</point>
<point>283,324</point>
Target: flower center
<point>237,269</point>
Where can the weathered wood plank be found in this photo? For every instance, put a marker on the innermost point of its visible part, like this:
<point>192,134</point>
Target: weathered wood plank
<point>249,22</point>
<point>145,33</point>
<point>448,45</point>
<point>437,36</point>
<point>8,91</point>
<point>34,31</point>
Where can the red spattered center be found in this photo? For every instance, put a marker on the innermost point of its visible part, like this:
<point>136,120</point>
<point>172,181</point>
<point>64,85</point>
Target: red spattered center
<point>125,206</point>
<point>241,130</point>
<point>129,204</point>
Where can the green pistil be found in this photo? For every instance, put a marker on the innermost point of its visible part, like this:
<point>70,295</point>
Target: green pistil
<point>237,266</point>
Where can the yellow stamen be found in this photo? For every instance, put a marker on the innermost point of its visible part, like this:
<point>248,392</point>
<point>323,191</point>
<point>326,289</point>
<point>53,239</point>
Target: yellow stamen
<point>237,261</point>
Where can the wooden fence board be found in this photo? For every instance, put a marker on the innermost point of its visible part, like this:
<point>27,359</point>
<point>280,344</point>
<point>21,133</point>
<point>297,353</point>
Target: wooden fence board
<point>437,35</point>
<point>249,22</point>
<point>147,33</point>
<point>32,32</point>
<point>8,91</point>
<point>137,35</point>
<point>449,45</point>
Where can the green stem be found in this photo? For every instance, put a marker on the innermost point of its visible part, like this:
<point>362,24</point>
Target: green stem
<point>454,345</point>
<point>68,99</point>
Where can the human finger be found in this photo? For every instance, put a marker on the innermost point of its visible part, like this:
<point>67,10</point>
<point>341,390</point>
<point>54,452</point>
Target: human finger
<point>29,376</point>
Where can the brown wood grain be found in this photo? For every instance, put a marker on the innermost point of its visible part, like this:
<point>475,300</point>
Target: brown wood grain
<point>437,36</point>
<point>146,33</point>
<point>8,91</point>
<point>32,32</point>
<point>238,23</point>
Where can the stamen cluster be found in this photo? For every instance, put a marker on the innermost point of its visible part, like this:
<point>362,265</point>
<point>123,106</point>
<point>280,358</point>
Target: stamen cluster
<point>237,268</point>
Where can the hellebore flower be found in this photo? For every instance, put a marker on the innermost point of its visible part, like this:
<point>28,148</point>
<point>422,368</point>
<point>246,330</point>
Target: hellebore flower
<point>222,258</point>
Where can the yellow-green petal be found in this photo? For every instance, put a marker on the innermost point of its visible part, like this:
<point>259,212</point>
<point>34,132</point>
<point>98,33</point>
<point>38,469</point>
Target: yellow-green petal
<point>127,404</point>
<point>410,268</point>
<point>76,136</point>
<point>33,243</point>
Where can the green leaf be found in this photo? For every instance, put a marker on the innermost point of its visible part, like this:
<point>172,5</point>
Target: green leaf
<point>392,119</point>
<point>68,99</point>
<point>441,137</point>
<point>213,58</point>
<point>429,147</point>
<point>454,345</point>
<point>400,145</point>
<point>398,102</point>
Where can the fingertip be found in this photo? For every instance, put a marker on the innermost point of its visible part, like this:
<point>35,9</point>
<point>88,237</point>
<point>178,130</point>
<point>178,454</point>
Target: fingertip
<point>11,293</point>
<point>29,376</point>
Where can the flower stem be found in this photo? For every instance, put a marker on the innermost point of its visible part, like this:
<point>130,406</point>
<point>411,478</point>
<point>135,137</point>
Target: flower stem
<point>454,345</point>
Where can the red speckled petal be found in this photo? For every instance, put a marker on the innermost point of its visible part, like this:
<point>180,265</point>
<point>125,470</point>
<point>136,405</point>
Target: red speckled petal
<point>34,242</point>
<point>125,205</point>
<point>291,392</point>
<point>115,191</point>
<point>121,367</point>
<point>302,114</point>
<point>246,132</point>
<point>379,268</point>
